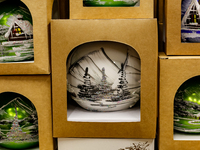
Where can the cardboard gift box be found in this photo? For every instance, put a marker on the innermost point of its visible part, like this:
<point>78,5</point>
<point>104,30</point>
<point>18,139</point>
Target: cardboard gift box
<point>175,25</point>
<point>140,34</point>
<point>78,11</point>
<point>106,144</point>
<point>25,103</point>
<point>174,72</point>
<point>39,33</point>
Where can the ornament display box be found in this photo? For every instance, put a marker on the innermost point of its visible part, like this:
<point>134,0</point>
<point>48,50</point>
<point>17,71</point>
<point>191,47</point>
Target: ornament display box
<point>177,28</point>
<point>175,130</point>
<point>110,34</point>
<point>78,11</point>
<point>25,105</point>
<point>40,12</point>
<point>106,144</point>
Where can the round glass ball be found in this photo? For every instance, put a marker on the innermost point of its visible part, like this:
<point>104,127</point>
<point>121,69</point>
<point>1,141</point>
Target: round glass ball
<point>187,106</point>
<point>104,76</point>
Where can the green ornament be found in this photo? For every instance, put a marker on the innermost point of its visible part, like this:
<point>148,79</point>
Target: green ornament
<point>187,106</point>
<point>18,122</point>
<point>111,3</point>
<point>16,32</point>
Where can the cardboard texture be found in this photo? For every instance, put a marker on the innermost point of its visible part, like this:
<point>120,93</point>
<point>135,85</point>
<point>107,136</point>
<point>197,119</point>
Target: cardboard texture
<point>38,90</point>
<point>132,32</point>
<point>78,11</point>
<point>40,11</point>
<point>174,71</point>
<point>173,45</point>
<point>105,144</point>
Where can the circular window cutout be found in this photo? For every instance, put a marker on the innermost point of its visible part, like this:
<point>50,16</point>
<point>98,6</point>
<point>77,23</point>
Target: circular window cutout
<point>16,32</point>
<point>187,106</point>
<point>111,3</point>
<point>104,76</point>
<point>18,122</point>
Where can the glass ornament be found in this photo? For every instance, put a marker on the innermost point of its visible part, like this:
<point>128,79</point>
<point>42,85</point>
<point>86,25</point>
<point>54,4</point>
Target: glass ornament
<point>16,32</point>
<point>104,76</point>
<point>18,122</point>
<point>190,21</point>
<point>111,3</point>
<point>187,106</point>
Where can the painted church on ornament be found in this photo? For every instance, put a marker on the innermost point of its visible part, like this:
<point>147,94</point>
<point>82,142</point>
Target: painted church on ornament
<point>191,18</point>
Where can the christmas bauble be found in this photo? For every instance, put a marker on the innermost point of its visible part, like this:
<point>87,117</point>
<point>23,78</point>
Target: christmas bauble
<point>190,21</point>
<point>104,76</point>
<point>16,32</point>
<point>18,122</point>
<point>111,3</point>
<point>187,106</point>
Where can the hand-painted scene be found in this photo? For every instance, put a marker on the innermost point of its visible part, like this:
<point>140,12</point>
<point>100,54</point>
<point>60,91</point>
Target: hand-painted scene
<point>18,123</point>
<point>104,76</point>
<point>187,107</point>
<point>16,32</point>
<point>190,21</point>
<point>111,3</point>
<point>137,146</point>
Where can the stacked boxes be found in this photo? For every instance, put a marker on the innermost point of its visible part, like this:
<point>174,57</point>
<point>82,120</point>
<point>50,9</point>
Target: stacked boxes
<point>25,95</point>
<point>86,50</point>
<point>179,78</point>
<point>104,59</point>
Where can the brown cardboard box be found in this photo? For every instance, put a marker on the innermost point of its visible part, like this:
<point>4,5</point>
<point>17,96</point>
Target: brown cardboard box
<point>38,90</point>
<point>41,15</point>
<point>174,71</point>
<point>106,144</point>
<point>141,34</point>
<point>173,43</point>
<point>78,11</point>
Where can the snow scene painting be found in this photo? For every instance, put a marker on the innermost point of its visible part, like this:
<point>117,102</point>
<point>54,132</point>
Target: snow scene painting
<point>137,146</point>
<point>16,32</point>
<point>190,21</point>
<point>18,123</point>
<point>105,78</point>
<point>111,3</point>
<point>187,107</point>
